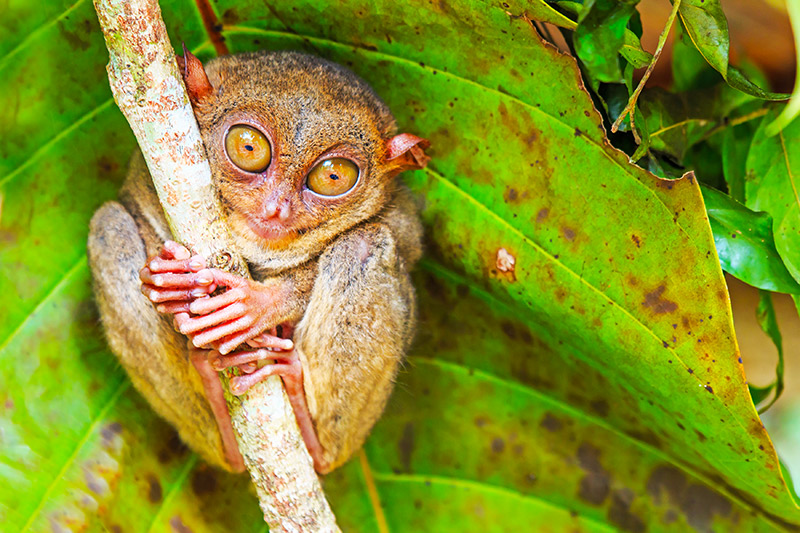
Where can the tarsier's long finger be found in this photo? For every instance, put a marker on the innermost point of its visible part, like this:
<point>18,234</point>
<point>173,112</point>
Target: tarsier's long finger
<point>176,281</point>
<point>193,264</point>
<point>226,314</point>
<point>174,250</point>
<point>231,342</point>
<point>241,384</point>
<point>210,335</point>
<point>221,362</point>
<point>270,341</point>
<point>171,308</point>
<point>158,296</point>
<point>207,305</point>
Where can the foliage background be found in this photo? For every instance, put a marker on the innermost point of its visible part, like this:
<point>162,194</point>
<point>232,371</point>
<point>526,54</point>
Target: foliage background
<point>598,387</point>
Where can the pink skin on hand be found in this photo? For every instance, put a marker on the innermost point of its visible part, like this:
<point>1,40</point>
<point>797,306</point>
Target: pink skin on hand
<point>179,284</point>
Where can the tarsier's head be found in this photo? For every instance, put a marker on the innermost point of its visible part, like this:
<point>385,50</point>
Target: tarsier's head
<point>300,147</point>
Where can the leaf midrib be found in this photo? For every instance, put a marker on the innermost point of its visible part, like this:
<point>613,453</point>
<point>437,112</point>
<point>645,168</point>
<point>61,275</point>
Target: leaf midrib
<point>123,386</point>
<point>34,34</point>
<point>571,411</point>
<point>581,280</point>
<point>425,479</point>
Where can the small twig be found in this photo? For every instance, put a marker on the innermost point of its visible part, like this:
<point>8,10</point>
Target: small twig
<point>734,122</point>
<point>630,109</point>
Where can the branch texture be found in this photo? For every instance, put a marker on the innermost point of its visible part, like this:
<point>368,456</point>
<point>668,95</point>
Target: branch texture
<point>147,87</point>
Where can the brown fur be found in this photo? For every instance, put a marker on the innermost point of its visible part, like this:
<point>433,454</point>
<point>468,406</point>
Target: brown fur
<point>348,258</point>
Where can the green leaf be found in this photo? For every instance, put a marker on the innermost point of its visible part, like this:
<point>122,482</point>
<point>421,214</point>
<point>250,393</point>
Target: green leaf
<point>600,36</point>
<point>735,146</point>
<point>690,70</point>
<point>707,27</point>
<point>765,314</point>
<point>745,245</point>
<point>633,52</point>
<point>792,109</point>
<point>736,79</point>
<point>595,388</point>
<point>773,168</point>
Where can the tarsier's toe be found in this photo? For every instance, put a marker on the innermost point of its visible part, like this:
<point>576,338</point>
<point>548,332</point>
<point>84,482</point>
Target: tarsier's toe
<point>288,367</point>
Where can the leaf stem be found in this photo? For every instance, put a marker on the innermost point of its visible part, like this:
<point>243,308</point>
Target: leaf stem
<point>631,107</point>
<point>735,122</point>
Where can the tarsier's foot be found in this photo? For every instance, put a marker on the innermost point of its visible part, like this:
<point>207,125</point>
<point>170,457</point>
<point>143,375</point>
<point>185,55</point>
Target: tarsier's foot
<point>287,366</point>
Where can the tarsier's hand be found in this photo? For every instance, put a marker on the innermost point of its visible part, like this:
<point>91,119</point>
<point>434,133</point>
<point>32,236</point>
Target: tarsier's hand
<point>174,279</point>
<point>247,309</point>
<point>180,284</point>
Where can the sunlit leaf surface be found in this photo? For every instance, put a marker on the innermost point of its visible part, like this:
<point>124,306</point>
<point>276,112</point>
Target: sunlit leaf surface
<point>598,387</point>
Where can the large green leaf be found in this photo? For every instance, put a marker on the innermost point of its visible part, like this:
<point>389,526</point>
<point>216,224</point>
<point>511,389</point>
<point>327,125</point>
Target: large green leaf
<point>596,387</point>
<point>745,244</point>
<point>772,185</point>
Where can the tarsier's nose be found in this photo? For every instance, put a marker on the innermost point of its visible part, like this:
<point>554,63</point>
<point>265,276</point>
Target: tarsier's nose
<point>277,207</point>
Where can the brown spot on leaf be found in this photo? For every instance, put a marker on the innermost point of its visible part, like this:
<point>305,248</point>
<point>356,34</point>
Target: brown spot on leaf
<point>550,423</point>
<point>654,300</point>
<point>666,480</point>
<point>204,481</point>
<point>154,492</point>
<point>600,407</point>
<point>406,446</point>
<point>178,526</point>
<point>596,484</point>
<point>498,445</point>
<point>568,233</point>
<point>636,241</point>
<point>542,214</point>
<point>700,504</point>
<point>620,512</point>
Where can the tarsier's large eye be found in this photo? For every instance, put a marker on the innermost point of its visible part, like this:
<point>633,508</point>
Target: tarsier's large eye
<point>248,148</point>
<point>333,177</point>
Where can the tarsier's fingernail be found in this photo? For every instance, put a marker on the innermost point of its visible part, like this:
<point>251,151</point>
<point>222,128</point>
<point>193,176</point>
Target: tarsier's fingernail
<point>195,263</point>
<point>287,344</point>
<point>216,364</point>
<point>199,293</point>
<point>205,279</point>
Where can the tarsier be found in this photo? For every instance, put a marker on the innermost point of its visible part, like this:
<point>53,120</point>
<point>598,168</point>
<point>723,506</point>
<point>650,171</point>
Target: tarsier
<point>304,156</point>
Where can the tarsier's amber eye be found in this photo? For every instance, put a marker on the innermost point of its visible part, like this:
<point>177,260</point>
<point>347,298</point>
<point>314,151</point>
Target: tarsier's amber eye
<point>333,177</point>
<point>248,148</point>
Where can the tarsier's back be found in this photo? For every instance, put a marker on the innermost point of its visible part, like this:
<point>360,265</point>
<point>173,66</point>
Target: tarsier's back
<point>305,159</point>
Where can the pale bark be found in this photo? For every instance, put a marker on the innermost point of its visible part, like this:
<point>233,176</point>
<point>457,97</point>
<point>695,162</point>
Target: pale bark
<point>148,89</point>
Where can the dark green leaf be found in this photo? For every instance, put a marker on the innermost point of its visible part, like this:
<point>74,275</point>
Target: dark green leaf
<point>633,52</point>
<point>765,314</point>
<point>601,34</point>
<point>737,79</point>
<point>773,182</point>
<point>735,146</point>
<point>745,244</point>
<point>690,70</point>
<point>707,27</point>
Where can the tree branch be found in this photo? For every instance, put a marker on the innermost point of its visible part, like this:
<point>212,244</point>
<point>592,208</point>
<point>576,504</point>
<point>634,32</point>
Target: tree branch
<point>148,89</point>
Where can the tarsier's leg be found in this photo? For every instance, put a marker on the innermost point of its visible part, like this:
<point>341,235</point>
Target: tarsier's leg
<point>357,327</point>
<point>154,355</point>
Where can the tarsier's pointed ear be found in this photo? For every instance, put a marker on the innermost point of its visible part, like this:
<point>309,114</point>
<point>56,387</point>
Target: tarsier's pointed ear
<point>405,152</point>
<point>194,76</point>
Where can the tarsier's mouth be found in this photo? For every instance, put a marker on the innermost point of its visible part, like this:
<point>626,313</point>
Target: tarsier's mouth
<point>276,234</point>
